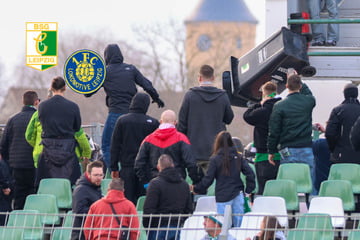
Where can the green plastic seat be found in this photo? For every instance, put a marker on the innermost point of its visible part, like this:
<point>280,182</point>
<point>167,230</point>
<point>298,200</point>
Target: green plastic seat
<point>60,188</point>
<point>69,219</point>
<point>44,203</point>
<point>300,173</point>
<point>61,234</point>
<point>341,189</point>
<point>283,188</point>
<point>140,203</point>
<point>243,178</point>
<point>105,185</point>
<point>354,235</point>
<point>300,234</point>
<point>317,221</point>
<point>346,171</point>
<point>29,221</point>
<point>211,189</point>
<point>11,233</point>
<point>108,174</point>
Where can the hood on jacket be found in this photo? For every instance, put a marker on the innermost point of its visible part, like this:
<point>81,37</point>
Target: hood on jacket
<point>171,175</point>
<point>114,196</point>
<point>164,134</point>
<point>112,54</point>
<point>272,101</point>
<point>208,94</point>
<point>140,103</point>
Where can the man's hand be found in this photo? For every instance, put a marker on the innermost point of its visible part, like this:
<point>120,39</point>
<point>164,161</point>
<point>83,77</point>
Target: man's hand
<point>159,102</point>
<point>85,160</point>
<point>114,174</point>
<point>271,159</point>
<point>6,191</point>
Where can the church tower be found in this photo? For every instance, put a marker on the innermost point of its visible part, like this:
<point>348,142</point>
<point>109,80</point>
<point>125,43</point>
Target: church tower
<point>216,30</point>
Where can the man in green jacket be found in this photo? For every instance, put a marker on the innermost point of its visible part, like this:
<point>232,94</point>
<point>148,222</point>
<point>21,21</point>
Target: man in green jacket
<point>290,125</point>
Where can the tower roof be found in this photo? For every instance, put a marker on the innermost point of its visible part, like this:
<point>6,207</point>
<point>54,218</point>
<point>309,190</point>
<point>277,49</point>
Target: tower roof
<point>221,11</point>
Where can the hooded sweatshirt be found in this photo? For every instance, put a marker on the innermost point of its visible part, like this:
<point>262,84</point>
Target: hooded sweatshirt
<point>203,114</point>
<point>129,131</point>
<point>165,141</point>
<point>121,80</point>
<point>102,206</point>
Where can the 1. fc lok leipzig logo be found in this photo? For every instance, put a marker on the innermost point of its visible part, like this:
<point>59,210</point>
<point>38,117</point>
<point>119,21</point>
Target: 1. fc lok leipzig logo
<point>84,71</point>
<point>41,45</point>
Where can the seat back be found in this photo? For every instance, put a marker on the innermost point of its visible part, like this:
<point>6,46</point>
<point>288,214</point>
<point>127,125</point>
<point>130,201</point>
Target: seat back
<point>206,204</point>
<point>44,203</point>
<point>60,188</point>
<point>354,235</point>
<point>243,178</point>
<point>29,221</point>
<point>105,185</point>
<point>61,234</point>
<point>69,219</point>
<point>250,225</point>
<point>211,189</point>
<point>11,233</point>
<point>298,172</point>
<point>319,222</point>
<point>346,171</point>
<point>283,188</point>
<point>140,203</point>
<point>273,205</point>
<point>341,189</point>
<point>193,228</point>
<point>300,234</point>
<point>329,205</point>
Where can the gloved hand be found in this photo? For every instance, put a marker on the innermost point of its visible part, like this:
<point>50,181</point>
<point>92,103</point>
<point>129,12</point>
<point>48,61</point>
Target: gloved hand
<point>146,185</point>
<point>159,102</point>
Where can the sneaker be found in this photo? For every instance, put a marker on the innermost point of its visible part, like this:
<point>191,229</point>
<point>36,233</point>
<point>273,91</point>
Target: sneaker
<point>331,43</point>
<point>318,43</point>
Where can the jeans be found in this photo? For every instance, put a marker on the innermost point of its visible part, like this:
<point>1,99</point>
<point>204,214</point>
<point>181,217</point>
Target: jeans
<point>107,135</point>
<point>317,29</point>
<point>237,207</point>
<point>164,234</point>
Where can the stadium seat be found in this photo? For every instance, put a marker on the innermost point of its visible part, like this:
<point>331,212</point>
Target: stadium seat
<point>283,188</point>
<point>273,205</point>
<point>250,225</point>
<point>69,219</point>
<point>140,203</point>
<point>243,178</point>
<point>346,171</point>
<point>11,233</point>
<point>193,228</point>
<point>206,204</point>
<point>211,189</point>
<point>61,234</point>
<point>60,188</point>
<point>45,204</point>
<point>29,221</point>
<point>341,189</point>
<point>300,173</point>
<point>105,185</point>
<point>329,205</point>
<point>319,222</point>
<point>300,234</point>
<point>354,235</point>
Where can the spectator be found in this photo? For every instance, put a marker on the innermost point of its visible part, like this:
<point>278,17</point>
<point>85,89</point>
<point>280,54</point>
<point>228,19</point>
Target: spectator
<point>100,224</point>
<point>60,120</point>
<point>290,125</point>
<point>6,186</point>
<point>213,224</point>
<point>167,194</point>
<point>130,130</point>
<point>198,119</point>
<point>225,166</point>
<point>270,230</point>
<point>258,116</point>
<point>86,192</point>
<point>319,38</point>
<point>18,152</point>
<point>166,139</point>
<point>355,135</point>
<point>338,127</point>
<point>120,87</point>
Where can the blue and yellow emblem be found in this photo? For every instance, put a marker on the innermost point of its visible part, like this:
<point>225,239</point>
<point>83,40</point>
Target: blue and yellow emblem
<point>84,71</point>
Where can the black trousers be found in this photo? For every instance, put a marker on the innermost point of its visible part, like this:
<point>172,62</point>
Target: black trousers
<point>133,188</point>
<point>265,171</point>
<point>24,185</point>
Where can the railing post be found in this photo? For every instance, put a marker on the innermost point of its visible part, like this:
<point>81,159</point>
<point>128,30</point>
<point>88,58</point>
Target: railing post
<point>226,224</point>
<point>97,133</point>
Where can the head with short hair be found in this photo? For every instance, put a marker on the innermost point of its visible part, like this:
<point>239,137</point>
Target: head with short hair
<point>30,97</point>
<point>165,161</point>
<point>116,184</point>
<point>95,172</point>
<point>58,84</point>
<point>206,73</point>
<point>168,116</point>
<point>268,88</point>
<point>294,82</point>
<point>350,91</point>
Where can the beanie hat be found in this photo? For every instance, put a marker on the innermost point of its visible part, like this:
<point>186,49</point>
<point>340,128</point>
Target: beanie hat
<point>350,91</point>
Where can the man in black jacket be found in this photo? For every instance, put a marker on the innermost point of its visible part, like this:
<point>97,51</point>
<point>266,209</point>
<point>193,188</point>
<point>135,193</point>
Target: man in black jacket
<point>338,127</point>
<point>16,150</point>
<point>86,192</point>
<point>258,116</point>
<point>120,87</point>
<point>167,194</point>
<point>130,130</point>
<point>203,114</point>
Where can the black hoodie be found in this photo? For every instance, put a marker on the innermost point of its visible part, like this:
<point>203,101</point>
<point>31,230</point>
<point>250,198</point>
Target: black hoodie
<point>203,114</point>
<point>130,130</point>
<point>121,80</point>
<point>167,194</point>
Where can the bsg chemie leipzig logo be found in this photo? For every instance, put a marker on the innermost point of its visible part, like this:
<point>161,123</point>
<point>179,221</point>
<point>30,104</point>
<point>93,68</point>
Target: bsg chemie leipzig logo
<point>41,45</point>
<point>84,71</point>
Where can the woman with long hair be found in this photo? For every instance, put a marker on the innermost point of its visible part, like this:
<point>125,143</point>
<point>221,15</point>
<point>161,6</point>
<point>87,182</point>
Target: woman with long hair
<point>225,166</point>
<point>270,230</point>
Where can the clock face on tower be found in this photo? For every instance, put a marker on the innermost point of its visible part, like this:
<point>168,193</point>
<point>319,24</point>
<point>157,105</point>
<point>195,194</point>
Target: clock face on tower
<point>203,42</point>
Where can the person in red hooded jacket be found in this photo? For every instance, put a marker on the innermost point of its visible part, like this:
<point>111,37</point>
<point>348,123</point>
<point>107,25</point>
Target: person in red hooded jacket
<point>104,222</point>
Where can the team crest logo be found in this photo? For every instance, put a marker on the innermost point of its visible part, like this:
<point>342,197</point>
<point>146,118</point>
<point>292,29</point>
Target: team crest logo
<point>41,45</point>
<point>84,71</point>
